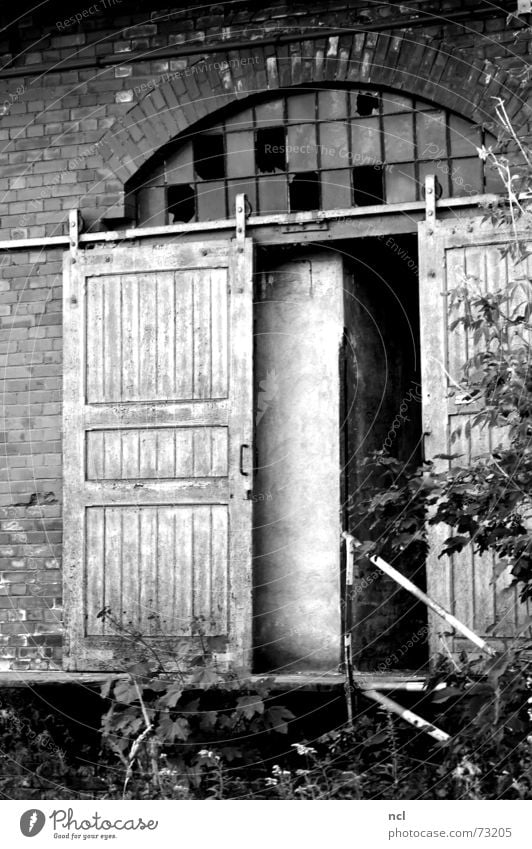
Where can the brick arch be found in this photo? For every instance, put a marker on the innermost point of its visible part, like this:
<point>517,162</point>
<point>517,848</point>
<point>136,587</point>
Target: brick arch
<point>404,62</point>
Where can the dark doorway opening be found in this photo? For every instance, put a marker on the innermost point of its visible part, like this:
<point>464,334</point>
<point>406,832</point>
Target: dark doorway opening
<point>307,299</point>
<point>381,412</point>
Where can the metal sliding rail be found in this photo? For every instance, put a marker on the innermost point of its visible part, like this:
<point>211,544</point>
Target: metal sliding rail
<point>253,222</point>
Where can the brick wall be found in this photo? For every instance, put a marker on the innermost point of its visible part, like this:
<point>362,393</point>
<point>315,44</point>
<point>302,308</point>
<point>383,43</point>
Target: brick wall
<point>30,459</point>
<point>60,106</point>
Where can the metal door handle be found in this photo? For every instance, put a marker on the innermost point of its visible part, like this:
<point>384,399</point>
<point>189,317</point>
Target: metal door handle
<point>242,447</point>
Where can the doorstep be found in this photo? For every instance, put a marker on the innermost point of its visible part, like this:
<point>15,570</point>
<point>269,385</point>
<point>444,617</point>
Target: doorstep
<point>305,681</point>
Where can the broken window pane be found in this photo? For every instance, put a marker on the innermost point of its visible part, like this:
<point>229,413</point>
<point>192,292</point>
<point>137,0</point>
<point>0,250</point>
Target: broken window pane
<point>465,137</point>
<point>398,137</point>
<point>179,165</point>
<point>209,158</point>
<point>240,154</point>
<point>466,177</point>
<point>400,183</point>
<point>151,208</point>
<point>332,104</point>
<point>301,107</point>
<point>304,191</point>
<point>301,147</point>
<point>365,142</point>
<point>269,114</point>
<point>181,203</point>
<point>431,135</point>
<point>211,201</point>
<point>238,187</point>
<point>334,148</point>
<point>336,189</point>
<point>270,150</point>
<point>247,150</point>
<point>441,170</point>
<point>272,194</point>
<point>366,104</point>
<point>368,185</point>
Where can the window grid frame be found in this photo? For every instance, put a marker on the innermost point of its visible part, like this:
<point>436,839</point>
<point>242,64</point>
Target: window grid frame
<point>252,124</point>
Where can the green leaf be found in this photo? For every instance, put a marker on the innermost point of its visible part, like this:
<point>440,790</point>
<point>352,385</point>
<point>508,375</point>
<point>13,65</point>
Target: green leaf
<point>204,675</point>
<point>171,698</point>
<point>129,724</point>
<point>208,720</point>
<point>140,670</point>
<point>377,739</point>
<point>447,693</point>
<point>277,718</point>
<point>125,691</point>
<point>172,730</point>
<point>250,705</point>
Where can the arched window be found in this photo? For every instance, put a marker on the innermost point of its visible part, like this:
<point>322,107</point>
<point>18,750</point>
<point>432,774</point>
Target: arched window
<point>314,150</point>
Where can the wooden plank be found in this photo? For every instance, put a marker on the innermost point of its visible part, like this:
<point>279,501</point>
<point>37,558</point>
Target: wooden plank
<point>162,478</point>
<point>112,583</point>
<point>112,342</point>
<point>137,415</point>
<point>202,336</point>
<point>112,455</point>
<point>184,354</point>
<point>201,576</point>
<point>95,455</point>
<point>219,450</point>
<point>433,345</point>
<point>95,341</point>
<point>94,569</point>
<point>180,491</point>
<point>219,335</point>
<point>148,259</point>
<point>148,453</point>
<point>148,338</point>
<point>457,350</point>
<point>184,456</point>
<point>130,565</point>
<point>462,564</point>
<point>157,453</point>
<point>201,452</point>
<point>219,570</point>
<point>130,338</point>
<point>148,555</point>
<point>184,564</point>
<point>130,440</point>
<point>459,253</point>
<point>165,453</point>
<point>241,432</point>
<point>165,568</point>
<point>74,371</point>
<point>166,371</point>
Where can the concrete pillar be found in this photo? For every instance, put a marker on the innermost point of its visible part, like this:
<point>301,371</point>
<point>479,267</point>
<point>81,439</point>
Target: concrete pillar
<point>297,533</point>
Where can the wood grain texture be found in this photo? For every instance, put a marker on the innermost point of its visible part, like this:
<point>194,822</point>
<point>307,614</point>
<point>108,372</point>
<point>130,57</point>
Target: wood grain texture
<point>158,566</point>
<point>454,255</point>
<point>157,453</point>
<point>157,337</point>
<point>158,400</point>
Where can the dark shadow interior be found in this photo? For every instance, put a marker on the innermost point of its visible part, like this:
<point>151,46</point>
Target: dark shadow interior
<point>382,412</point>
